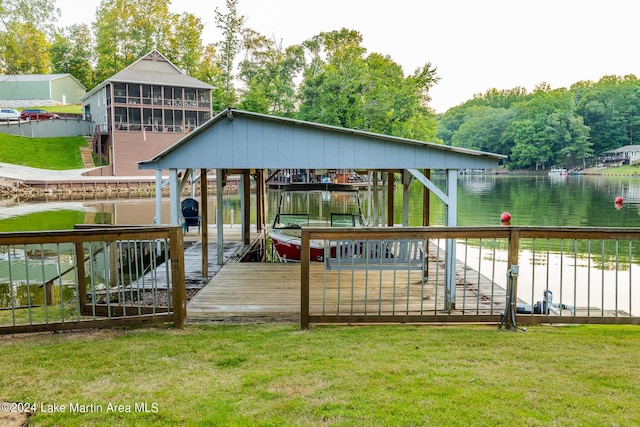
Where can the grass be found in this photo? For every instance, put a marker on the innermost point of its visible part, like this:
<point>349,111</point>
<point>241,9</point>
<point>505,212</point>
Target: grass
<point>622,170</point>
<point>66,109</point>
<point>60,153</point>
<point>63,219</point>
<point>277,375</point>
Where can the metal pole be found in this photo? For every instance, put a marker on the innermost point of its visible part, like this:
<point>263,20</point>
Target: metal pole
<point>450,253</point>
<point>219,217</point>
<point>158,218</point>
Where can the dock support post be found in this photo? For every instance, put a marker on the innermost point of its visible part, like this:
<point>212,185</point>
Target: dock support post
<point>391,182</point>
<point>158,218</point>
<point>304,279</point>
<point>450,255</point>
<point>204,196</point>
<point>174,196</point>
<point>219,217</point>
<point>246,207</point>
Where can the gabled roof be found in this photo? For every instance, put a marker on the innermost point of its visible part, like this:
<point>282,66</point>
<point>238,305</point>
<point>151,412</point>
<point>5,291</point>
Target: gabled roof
<point>35,77</point>
<point>623,149</point>
<point>236,139</point>
<point>152,69</point>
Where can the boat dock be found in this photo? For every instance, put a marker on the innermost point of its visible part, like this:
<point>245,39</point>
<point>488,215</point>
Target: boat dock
<point>271,291</point>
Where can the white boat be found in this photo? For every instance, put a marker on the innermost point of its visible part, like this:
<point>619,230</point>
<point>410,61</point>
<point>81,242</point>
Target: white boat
<point>326,205</point>
<point>556,171</point>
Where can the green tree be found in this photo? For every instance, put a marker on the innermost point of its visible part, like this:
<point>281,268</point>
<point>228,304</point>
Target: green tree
<point>231,24</point>
<point>209,67</point>
<point>344,88</point>
<point>185,43</point>
<point>484,128</point>
<point>611,109</point>
<point>24,50</point>
<point>72,52</point>
<point>125,30</point>
<point>268,72</point>
<point>40,13</point>
<point>452,119</point>
<point>114,45</point>
<point>152,25</point>
<point>547,130</point>
<point>24,26</point>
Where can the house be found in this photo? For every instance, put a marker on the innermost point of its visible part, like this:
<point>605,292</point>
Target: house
<point>26,90</point>
<point>625,155</point>
<point>142,110</point>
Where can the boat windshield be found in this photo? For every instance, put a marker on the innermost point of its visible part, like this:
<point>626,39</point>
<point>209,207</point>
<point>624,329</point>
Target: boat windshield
<point>332,205</point>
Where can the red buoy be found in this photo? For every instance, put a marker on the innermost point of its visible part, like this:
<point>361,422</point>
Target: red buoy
<point>505,217</point>
<point>619,199</point>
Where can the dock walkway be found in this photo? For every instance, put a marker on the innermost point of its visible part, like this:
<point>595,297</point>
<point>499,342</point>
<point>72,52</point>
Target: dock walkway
<point>271,292</point>
<point>194,278</point>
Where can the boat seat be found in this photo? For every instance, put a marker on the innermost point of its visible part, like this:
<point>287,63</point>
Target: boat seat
<point>377,254</point>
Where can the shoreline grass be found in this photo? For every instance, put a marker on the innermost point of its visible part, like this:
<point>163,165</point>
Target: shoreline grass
<point>60,153</point>
<point>276,374</point>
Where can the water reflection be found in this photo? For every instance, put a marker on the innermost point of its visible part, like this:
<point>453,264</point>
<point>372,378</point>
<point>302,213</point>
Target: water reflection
<point>531,200</point>
<point>478,184</point>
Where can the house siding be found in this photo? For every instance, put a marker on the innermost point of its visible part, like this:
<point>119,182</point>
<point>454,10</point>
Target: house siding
<point>66,90</point>
<point>145,109</point>
<point>29,90</point>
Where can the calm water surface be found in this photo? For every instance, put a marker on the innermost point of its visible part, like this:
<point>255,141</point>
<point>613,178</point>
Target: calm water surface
<point>532,200</point>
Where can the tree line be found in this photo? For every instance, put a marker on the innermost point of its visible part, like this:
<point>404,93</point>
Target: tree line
<point>564,127</point>
<point>329,78</point>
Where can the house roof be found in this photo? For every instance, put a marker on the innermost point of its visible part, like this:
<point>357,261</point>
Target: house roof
<point>236,139</point>
<point>152,69</point>
<point>623,149</point>
<point>36,77</point>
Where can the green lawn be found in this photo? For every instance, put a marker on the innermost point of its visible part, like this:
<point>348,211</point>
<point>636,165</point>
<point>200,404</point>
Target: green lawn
<point>66,109</point>
<point>622,170</point>
<point>278,375</point>
<point>46,153</point>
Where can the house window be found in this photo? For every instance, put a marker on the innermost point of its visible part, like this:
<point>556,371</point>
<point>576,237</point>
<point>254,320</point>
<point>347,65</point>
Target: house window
<point>119,93</point>
<point>204,99</point>
<point>177,97</point>
<point>168,96</point>
<point>191,120</point>
<point>178,120</point>
<point>203,116</point>
<point>190,98</point>
<point>133,92</point>
<point>146,94</point>
<point>168,121</point>
<point>121,120</point>
<point>157,120</point>
<point>135,119</point>
<point>147,119</point>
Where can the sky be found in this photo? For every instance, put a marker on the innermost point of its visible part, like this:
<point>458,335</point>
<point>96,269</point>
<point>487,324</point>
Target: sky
<point>475,45</point>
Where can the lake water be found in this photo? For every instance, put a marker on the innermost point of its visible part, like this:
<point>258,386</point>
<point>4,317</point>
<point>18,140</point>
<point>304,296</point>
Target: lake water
<point>531,200</point>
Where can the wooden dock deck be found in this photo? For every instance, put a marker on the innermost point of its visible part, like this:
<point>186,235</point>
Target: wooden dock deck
<point>271,291</point>
<point>194,277</point>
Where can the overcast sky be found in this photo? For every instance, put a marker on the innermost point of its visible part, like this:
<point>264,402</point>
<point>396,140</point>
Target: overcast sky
<point>475,45</point>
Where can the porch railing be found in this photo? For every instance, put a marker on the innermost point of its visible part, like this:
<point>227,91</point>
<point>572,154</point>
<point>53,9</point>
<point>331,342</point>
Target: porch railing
<point>91,277</point>
<point>505,275</point>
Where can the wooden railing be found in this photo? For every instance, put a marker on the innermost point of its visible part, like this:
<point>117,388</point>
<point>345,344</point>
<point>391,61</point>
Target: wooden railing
<point>506,275</point>
<point>91,277</point>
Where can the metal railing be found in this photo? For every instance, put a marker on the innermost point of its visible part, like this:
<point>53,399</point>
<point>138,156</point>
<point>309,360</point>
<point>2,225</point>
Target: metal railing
<point>91,277</point>
<point>505,275</point>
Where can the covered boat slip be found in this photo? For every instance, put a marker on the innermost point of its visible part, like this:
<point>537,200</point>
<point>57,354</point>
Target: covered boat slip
<point>248,144</point>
